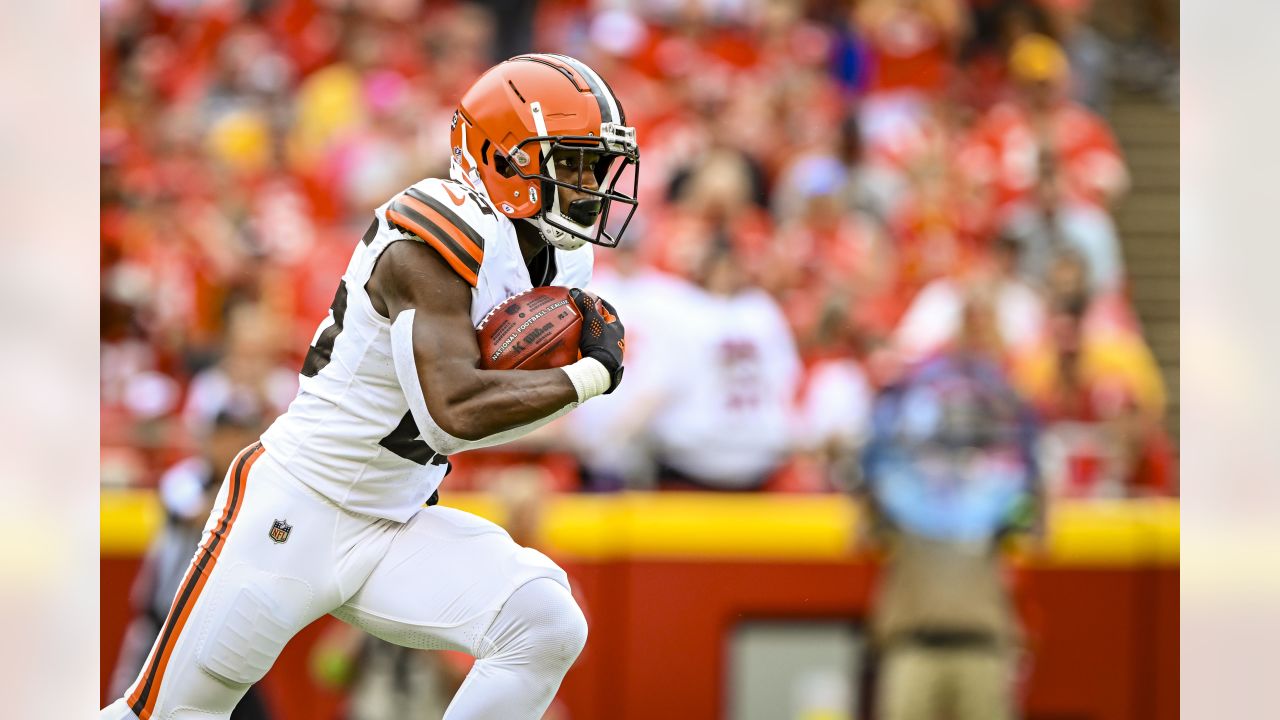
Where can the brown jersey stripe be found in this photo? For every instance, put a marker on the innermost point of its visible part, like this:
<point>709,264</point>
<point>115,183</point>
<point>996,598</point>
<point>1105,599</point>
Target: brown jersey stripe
<point>142,700</point>
<point>454,219</point>
<point>407,218</point>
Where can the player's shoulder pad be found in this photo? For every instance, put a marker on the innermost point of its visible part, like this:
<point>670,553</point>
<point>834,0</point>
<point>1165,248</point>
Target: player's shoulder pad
<point>450,217</point>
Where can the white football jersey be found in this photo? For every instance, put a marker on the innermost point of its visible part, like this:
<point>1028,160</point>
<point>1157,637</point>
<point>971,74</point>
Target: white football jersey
<point>349,433</point>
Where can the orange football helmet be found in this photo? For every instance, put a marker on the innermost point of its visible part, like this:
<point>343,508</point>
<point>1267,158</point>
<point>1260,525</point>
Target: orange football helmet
<point>533,108</point>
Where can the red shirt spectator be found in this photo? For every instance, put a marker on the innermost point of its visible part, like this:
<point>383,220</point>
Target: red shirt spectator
<point>1042,131</point>
<point>911,42</point>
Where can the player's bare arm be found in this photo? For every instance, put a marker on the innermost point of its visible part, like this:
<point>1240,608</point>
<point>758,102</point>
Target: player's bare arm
<point>466,401</point>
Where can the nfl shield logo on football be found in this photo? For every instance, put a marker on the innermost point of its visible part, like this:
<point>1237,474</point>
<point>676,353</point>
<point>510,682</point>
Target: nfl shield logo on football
<point>280,530</point>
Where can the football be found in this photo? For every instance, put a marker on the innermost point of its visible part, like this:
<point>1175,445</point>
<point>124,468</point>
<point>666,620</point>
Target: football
<point>535,330</point>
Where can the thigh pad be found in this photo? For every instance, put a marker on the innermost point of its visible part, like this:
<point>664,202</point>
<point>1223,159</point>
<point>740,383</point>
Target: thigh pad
<point>252,616</point>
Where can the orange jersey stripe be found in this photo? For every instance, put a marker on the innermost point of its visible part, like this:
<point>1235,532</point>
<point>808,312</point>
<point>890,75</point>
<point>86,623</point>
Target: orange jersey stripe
<point>451,255</point>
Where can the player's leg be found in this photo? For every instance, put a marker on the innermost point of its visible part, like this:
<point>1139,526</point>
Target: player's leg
<point>454,581</point>
<point>531,644</point>
<point>245,594</point>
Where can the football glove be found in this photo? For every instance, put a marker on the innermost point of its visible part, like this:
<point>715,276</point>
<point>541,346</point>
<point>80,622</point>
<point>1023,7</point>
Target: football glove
<point>602,334</point>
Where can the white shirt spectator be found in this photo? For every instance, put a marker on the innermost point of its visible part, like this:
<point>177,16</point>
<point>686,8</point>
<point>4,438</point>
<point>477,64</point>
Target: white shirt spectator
<point>734,371</point>
<point>213,391</point>
<point>937,312</point>
<point>1080,227</point>
<point>835,407</point>
<point>608,433</point>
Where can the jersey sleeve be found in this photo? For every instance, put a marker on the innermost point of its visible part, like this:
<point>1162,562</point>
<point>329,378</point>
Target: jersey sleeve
<point>443,225</point>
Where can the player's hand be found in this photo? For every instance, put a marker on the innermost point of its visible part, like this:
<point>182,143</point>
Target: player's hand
<point>602,334</point>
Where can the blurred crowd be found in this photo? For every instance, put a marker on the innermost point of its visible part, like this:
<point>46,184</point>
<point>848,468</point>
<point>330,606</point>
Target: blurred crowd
<point>838,200</point>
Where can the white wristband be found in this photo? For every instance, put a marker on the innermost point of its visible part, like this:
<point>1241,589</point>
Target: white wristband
<point>589,378</point>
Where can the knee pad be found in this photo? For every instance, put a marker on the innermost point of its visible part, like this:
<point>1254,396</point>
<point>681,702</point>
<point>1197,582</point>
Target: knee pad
<point>251,618</point>
<point>540,624</point>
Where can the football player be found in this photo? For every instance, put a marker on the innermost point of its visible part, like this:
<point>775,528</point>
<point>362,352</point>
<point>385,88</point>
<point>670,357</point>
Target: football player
<point>325,515</point>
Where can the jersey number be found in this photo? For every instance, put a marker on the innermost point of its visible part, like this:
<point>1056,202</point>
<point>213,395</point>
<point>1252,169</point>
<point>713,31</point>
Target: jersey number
<point>406,442</point>
<point>322,352</point>
<point>484,206</point>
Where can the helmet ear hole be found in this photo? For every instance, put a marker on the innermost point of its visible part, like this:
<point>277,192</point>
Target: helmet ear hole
<point>502,165</point>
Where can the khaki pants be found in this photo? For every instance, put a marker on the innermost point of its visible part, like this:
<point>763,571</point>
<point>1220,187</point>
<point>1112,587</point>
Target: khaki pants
<point>921,683</point>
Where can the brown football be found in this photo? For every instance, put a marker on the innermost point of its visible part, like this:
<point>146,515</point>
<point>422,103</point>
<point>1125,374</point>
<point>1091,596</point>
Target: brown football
<point>535,330</point>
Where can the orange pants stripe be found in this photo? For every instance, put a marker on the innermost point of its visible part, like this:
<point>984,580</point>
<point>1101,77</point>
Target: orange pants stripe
<point>143,699</point>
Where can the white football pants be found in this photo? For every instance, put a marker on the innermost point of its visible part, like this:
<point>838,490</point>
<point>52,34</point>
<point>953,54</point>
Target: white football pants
<point>275,556</point>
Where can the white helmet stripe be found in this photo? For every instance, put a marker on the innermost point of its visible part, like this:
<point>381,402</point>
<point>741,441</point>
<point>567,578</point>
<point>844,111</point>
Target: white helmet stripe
<point>549,167</point>
<point>466,152</point>
<point>598,86</point>
<point>472,175</point>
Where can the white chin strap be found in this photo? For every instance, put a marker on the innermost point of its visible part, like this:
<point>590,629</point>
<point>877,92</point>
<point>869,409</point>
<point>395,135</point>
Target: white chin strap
<point>556,237</point>
<point>547,221</point>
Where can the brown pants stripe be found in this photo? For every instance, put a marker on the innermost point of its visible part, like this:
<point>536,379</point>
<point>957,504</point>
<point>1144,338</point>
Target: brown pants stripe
<point>142,700</point>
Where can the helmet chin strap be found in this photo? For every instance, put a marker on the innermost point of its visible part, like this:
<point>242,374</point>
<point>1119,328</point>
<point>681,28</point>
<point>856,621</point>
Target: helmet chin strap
<point>555,236</point>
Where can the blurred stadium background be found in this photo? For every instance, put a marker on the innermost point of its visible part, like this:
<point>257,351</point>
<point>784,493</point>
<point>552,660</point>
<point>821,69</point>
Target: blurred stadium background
<point>902,288</point>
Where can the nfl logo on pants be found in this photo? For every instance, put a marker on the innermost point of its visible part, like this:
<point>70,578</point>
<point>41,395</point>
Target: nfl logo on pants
<point>280,530</point>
